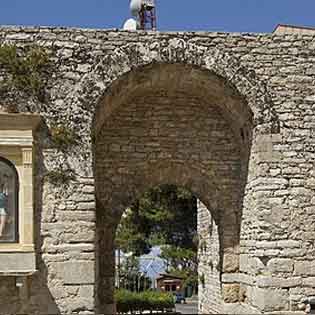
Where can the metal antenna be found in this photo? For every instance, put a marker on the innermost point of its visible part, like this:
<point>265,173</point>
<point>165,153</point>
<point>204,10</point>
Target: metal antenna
<point>145,13</point>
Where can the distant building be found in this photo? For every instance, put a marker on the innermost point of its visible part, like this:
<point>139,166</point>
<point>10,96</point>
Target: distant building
<point>292,29</point>
<point>151,265</point>
<point>170,283</point>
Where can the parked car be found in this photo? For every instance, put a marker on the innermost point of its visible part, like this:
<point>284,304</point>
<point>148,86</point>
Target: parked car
<point>179,298</point>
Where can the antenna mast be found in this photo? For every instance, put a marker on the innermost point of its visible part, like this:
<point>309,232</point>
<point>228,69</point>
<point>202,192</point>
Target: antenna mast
<point>147,15</point>
<point>145,12</point>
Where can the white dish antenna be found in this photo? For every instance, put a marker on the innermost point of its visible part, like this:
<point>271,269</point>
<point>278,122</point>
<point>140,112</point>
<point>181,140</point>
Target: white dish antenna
<point>135,7</point>
<point>130,25</point>
<point>149,3</point>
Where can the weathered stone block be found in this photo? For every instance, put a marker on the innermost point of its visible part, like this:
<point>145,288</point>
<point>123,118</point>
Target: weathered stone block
<point>231,293</point>
<point>86,291</point>
<point>270,299</point>
<point>75,272</point>
<point>275,265</point>
<point>17,262</point>
<point>304,268</point>
<point>308,282</point>
<point>249,264</point>
<point>237,278</point>
<point>230,263</point>
<point>289,244</point>
<point>269,281</point>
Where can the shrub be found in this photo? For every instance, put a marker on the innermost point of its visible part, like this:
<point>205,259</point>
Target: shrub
<point>23,72</point>
<point>63,137</point>
<point>132,302</point>
<point>59,177</point>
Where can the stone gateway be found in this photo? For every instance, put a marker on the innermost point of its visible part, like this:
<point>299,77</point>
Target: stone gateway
<point>228,116</point>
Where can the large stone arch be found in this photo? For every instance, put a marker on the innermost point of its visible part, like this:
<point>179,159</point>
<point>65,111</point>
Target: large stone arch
<point>120,77</point>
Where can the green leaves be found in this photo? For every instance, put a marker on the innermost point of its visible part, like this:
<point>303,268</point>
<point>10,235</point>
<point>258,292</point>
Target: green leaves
<point>60,177</point>
<point>167,216</point>
<point>23,73</point>
<point>163,215</point>
<point>63,137</point>
<point>132,302</point>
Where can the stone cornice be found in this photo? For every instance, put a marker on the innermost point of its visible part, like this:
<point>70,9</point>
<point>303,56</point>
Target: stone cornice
<point>17,129</point>
<point>20,121</point>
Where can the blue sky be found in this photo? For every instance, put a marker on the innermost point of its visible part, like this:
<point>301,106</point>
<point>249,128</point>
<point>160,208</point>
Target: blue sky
<point>209,15</point>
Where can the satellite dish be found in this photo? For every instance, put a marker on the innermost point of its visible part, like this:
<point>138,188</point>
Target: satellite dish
<point>135,7</point>
<point>130,25</point>
<point>149,3</point>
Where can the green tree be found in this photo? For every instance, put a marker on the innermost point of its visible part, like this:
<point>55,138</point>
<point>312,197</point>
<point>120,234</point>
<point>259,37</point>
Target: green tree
<point>130,276</point>
<point>23,71</point>
<point>164,215</point>
<point>131,234</point>
<point>129,270</point>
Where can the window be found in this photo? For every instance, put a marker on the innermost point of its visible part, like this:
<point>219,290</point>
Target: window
<point>8,202</point>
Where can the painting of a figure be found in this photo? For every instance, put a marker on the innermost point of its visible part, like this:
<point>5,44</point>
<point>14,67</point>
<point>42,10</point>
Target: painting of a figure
<point>8,202</point>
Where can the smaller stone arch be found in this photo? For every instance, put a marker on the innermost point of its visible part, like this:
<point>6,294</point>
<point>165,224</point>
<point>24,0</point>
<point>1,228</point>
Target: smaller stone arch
<point>122,196</point>
<point>155,174</point>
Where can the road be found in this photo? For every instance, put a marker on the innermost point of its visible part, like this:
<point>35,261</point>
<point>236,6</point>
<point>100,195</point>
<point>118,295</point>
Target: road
<point>188,308</point>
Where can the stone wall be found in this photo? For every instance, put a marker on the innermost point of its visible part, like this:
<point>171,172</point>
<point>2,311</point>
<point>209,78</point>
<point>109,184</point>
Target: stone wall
<point>209,289</point>
<point>273,73</point>
<point>9,295</point>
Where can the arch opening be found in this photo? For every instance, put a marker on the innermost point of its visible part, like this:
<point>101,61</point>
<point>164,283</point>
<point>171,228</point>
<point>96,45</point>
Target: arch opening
<point>163,235</point>
<point>174,124</point>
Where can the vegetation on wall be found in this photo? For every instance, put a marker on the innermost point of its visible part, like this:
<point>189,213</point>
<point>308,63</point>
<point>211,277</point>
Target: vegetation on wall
<point>63,137</point>
<point>60,177</point>
<point>23,71</point>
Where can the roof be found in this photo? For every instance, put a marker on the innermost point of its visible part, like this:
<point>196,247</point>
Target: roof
<point>293,29</point>
<point>165,275</point>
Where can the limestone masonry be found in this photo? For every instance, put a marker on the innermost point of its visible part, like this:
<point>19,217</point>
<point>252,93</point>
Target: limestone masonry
<point>229,116</point>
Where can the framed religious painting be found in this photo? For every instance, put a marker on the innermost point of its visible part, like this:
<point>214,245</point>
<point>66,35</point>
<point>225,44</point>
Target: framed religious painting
<point>9,192</point>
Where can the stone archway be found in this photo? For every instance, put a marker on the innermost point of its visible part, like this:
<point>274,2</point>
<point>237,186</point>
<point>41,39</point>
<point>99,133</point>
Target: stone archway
<point>171,113</point>
<point>169,124</point>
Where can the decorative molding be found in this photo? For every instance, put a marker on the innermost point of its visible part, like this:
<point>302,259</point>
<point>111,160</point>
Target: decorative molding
<point>14,248</point>
<point>17,129</point>
<point>16,141</point>
<point>27,156</point>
